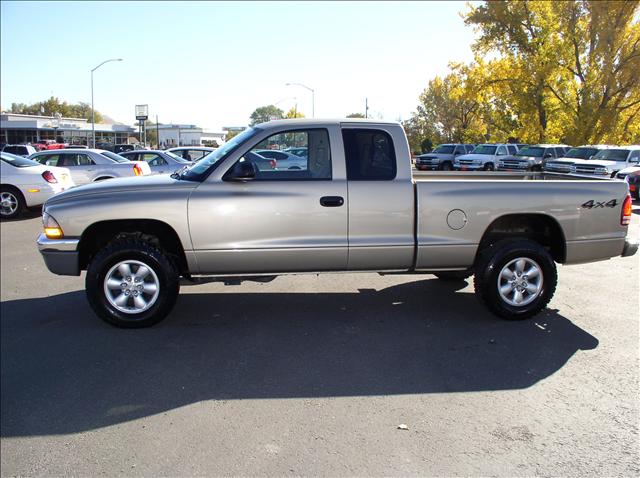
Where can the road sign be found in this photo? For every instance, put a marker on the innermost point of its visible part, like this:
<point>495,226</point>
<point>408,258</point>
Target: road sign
<point>142,112</point>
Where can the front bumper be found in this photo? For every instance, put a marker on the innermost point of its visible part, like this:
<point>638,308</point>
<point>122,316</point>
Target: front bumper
<point>61,256</point>
<point>630,248</point>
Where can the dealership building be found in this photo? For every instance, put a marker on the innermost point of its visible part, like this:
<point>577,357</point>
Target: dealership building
<point>20,129</point>
<point>172,135</point>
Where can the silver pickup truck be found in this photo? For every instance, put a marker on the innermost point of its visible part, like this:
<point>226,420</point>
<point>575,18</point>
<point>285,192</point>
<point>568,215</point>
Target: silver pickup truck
<point>354,207</point>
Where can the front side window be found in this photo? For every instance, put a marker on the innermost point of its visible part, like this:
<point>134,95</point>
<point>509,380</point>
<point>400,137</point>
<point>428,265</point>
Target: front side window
<point>370,155</point>
<point>502,150</point>
<point>274,161</point>
<point>512,149</point>
<point>635,156</point>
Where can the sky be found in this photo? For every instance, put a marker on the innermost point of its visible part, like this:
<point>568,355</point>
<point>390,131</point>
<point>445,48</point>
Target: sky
<point>212,63</point>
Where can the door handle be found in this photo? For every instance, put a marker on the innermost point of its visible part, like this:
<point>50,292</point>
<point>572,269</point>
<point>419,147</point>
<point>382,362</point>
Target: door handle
<point>331,201</point>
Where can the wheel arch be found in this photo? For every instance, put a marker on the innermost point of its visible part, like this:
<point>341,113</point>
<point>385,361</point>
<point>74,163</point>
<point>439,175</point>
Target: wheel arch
<point>541,228</point>
<point>157,232</point>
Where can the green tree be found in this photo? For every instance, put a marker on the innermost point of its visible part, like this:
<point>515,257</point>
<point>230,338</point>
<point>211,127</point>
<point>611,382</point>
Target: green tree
<point>265,113</point>
<point>53,105</point>
<point>569,70</point>
<point>355,115</point>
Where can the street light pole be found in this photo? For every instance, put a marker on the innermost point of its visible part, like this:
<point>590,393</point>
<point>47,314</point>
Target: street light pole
<point>313,99</point>
<point>93,111</point>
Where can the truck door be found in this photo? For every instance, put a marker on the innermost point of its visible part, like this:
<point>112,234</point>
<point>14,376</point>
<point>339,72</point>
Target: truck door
<point>381,199</point>
<point>280,221</point>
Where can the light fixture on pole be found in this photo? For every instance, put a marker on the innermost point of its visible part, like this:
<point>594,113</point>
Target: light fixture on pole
<point>93,116</point>
<point>313,99</point>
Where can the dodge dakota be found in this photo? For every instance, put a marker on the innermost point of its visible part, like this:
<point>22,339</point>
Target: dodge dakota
<point>354,206</point>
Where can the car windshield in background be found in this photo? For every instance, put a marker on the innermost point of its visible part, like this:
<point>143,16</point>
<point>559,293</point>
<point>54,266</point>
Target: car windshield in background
<point>444,149</point>
<point>115,157</point>
<point>179,159</point>
<point>612,154</point>
<point>530,152</point>
<point>484,149</point>
<point>580,153</point>
<point>208,163</point>
<point>18,161</point>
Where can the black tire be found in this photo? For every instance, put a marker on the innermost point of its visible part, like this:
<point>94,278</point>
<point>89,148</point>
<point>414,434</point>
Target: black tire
<point>490,264</point>
<point>454,275</point>
<point>489,167</point>
<point>166,272</point>
<point>15,205</point>
<point>446,166</point>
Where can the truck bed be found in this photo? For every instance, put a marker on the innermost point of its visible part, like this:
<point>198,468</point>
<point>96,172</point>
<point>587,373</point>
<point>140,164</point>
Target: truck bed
<point>453,209</point>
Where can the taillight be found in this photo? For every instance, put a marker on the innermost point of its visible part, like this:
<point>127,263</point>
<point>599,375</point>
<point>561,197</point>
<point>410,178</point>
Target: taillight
<point>625,218</point>
<point>49,177</point>
<point>137,170</point>
<point>273,163</point>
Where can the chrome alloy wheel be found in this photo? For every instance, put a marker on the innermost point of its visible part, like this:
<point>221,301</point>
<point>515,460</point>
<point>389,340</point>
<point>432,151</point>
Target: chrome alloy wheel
<point>520,282</point>
<point>131,287</point>
<point>8,203</point>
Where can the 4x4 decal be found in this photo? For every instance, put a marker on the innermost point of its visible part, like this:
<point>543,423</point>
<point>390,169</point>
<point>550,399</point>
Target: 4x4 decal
<point>596,204</point>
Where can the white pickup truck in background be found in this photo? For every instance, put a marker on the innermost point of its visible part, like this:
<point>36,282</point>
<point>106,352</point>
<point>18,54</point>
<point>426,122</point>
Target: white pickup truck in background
<point>484,157</point>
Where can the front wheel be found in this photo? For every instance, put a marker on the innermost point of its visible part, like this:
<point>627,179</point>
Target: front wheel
<point>446,166</point>
<point>515,278</point>
<point>489,167</point>
<point>132,284</point>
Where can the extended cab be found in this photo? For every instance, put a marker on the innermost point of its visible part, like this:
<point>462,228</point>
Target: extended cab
<point>354,207</point>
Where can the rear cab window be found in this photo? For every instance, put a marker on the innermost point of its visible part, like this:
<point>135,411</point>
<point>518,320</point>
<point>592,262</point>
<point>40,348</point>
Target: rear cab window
<point>369,154</point>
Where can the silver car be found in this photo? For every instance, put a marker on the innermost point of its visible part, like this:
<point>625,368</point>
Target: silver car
<point>284,159</point>
<point>89,165</point>
<point>160,162</point>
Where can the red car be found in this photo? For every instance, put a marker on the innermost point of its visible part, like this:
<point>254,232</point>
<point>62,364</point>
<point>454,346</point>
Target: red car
<point>46,144</point>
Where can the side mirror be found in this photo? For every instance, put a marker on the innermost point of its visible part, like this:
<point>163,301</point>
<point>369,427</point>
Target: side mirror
<point>242,171</point>
<point>548,155</point>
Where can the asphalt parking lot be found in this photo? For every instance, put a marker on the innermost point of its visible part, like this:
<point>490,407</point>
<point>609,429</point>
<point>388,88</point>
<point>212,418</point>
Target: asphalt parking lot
<point>311,375</point>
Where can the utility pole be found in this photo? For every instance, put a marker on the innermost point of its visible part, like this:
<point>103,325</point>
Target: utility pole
<point>157,134</point>
<point>366,107</point>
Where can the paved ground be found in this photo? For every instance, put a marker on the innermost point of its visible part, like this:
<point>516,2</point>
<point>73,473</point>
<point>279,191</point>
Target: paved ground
<point>312,376</point>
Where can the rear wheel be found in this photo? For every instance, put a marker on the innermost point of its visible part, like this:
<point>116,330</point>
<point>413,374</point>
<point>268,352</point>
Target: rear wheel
<point>12,202</point>
<point>132,284</point>
<point>489,167</point>
<point>515,278</point>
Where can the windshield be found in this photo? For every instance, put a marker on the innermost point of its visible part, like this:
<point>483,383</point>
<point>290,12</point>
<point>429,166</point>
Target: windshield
<point>115,157</point>
<point>529,151</point>
<point>612,154</point>
<point>580,153</point>
<point>18,161</point>
<point>484,149</point>
<point>444,149</point>
<point>200,170</point>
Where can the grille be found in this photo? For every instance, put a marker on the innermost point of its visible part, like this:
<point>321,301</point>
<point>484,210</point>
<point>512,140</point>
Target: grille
<point>514,164</point>
<point>585,169</point>
<point>558,167</point>
<point>466,161</point>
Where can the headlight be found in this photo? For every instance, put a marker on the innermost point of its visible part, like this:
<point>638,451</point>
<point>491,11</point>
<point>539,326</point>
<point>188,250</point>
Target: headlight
<point>51,227</point>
